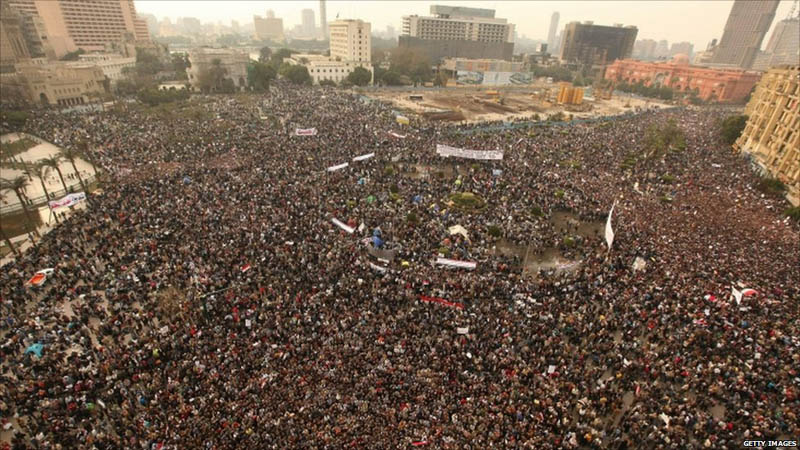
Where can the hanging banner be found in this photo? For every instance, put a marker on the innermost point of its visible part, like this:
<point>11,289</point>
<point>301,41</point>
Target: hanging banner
<point>339,167</point>
<point>342,225</point>
<point>484,155</point>
<point>363,157</point>
<point>456,263</point>
<point>380,253</point>
<point>441,301</point>
<point>609,230</point>
<point>377,267</point>
<point>398,136</point>
<point>67,200</point>
<point>305,132</point>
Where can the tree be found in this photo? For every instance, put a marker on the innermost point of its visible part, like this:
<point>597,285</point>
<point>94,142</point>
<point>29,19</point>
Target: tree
<point>83,148</point>
<point>210,79</point>
<point>732,127</point>
<point>441,79</point>
<point>392,78</point>
<point>264,54</point>
<point>147,63</point>
<point>360,76</point>
<point>579,81</point>
<point>54,163</point>
<point>296,74</point>
<point>259,75</point>
<point>42,171</point>
<point>73,56</point>
<point>17,185</point>
<point>9,244</point>
<point>412,63</point>
<point>71,155</point>
<point>327,82</point>
<point>278,56</point>
<point>180,62</point>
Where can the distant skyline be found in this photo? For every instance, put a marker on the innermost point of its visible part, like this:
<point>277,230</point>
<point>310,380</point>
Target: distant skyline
<point>697,22</point>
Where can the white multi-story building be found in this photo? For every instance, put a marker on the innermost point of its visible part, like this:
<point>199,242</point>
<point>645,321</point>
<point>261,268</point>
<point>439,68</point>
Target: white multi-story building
<point>458,23</point>
<point>323,68</point>
<point>111,64</point>
<point>350,40</point>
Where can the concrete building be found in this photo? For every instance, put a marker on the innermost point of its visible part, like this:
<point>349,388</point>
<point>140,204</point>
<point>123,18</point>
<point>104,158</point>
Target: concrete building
<point>772,134</point>
<point>551,34</point>
<point>307,23</point>
<point>662,49</point>
<point>745,29</point>
<point>783,47</point>
<point>233,61</point>
<point>325,68</point>
<point>110,64</point>
<point>682,48</point>
<point>269,28</point>
<point>712,84</point>
<point>323,19</point>
<point>74,24</point>
<point>596,45</point>
<point>13,49</point>
<point>455,31</point>
<point>645,49</point>
<point>350,40</point>
<point>55,83</point>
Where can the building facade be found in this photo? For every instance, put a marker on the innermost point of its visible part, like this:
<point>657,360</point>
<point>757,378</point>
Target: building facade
<point>744,32</point>
<point>232,61</point>
<point>682,48</point>
<point>455,31</point>
<point>269,28</point>
<point>551,34</point>
<point>324,68</point>
<point>323,19</point>
<point>783,47</point>
<point>112,65</point>
<point>350,40</point>
<point>74,24</point>
<point>13,49</point>
<point>308,25</point>
<point>596,45</point>
<point>772,134</point>
<point>710,84</point>
<point>55,84</point>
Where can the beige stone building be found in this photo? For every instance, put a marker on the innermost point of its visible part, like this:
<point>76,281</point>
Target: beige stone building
<point>772,134</point>
<point>54,84</point>
<point>234,62</point>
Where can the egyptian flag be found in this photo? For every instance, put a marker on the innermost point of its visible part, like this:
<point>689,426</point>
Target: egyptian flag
<point>245,268</point>
<point>39,277</point>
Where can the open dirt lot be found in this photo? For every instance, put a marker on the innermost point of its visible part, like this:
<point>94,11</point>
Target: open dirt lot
<point>475,104</point>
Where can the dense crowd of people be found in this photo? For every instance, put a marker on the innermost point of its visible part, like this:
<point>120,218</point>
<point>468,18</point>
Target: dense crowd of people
<point>206,300</point>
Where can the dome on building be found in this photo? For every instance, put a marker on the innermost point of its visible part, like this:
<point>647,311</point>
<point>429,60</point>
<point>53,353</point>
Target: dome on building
<point>681,59</point>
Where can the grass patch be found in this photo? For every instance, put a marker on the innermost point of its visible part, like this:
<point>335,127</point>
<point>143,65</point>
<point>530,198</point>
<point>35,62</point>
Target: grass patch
<point>494,231</point>
<point>467,201</point>
<point>12,149</point>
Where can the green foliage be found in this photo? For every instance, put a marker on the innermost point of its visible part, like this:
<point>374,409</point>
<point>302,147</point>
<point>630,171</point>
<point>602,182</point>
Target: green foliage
<point>327,82</point>
<point>444,250</point>
<point>14,148</point>
<point>180,62</point>
<point>259,75</point>
<point>579,81</point>
<point>793,213</point>
<point>295,73</point>
<point>394,189</point>
<point>211,78</point>
<point>560,193</point>
<point>412,218</point>
<point>147,63</point>
<point>556,117</point>
<point>388,170</point>
<point>412,63</point>
<point>264,54</point>
<point>278,56</point>
<point>494,231</point>
<point>537,211</point>
<point>664,93</point>
<point>569,241</point>
<point>360,76</point>
<point>769,185</point>
<point>14,119</point>
<point>663,139</point>
<point>392,78</point>
<point>153,97</point>
<point>556,73</point>
<point>667,179</point>
<point>73,56</point>
<point>467,201</point>
<point>731,128</point>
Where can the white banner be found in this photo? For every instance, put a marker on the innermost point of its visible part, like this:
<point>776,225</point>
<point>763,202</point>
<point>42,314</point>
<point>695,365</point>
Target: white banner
<point>339,167</point>
<point>363,157</point>
<point>446,150</point>
<point>609,230</point>
<point>377,267</point>
<point>342,225</point>
<point>456,263</point>
<point>305,132</point>
<point>68,200</point>
<point>398,136</point>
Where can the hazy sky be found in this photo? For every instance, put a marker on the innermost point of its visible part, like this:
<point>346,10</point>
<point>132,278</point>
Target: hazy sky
<point>695,21</point>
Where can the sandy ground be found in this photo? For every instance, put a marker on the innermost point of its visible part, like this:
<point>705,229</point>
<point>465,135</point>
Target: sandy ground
<point>519,102</point>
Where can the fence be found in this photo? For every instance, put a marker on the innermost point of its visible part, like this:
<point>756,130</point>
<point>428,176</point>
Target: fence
<point>36,202</point>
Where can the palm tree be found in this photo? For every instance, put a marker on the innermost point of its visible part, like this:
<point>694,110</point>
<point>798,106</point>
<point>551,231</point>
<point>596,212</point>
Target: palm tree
<point>70,155</point>
<point>17,185</point>
<point>42,171</point>
<point>54,162</point>
<point>8,242</point>
<point>83,148</point>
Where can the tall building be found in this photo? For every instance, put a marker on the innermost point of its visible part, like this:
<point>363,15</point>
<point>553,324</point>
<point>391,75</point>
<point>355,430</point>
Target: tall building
<point>74,24</point>
<point>350,40</point>
<point>269,28</point>
<point>783,47</point>
<point>457,31</point>
<point>772,134</point>
<point>681,48</point>
<point>13,49</point>
<point>597,45</point>
<point>551,35</point>
<point>323,19</point>
<point>662,49</point>
<point>307,22</point>
<point>645,49</point>
<point>709,84</point>
<point>747,24</point>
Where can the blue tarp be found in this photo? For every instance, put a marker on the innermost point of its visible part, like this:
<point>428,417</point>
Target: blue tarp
<point>36,349</point>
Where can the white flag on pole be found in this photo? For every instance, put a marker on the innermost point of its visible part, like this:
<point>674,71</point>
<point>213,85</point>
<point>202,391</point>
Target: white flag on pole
<point>737,295</point>
<point>609,230</point>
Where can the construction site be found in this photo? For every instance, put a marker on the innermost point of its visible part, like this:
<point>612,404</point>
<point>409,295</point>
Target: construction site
<point>481,104</point>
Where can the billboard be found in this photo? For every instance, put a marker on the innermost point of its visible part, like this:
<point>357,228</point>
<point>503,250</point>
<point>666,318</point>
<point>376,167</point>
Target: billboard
<point>466,77</point>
